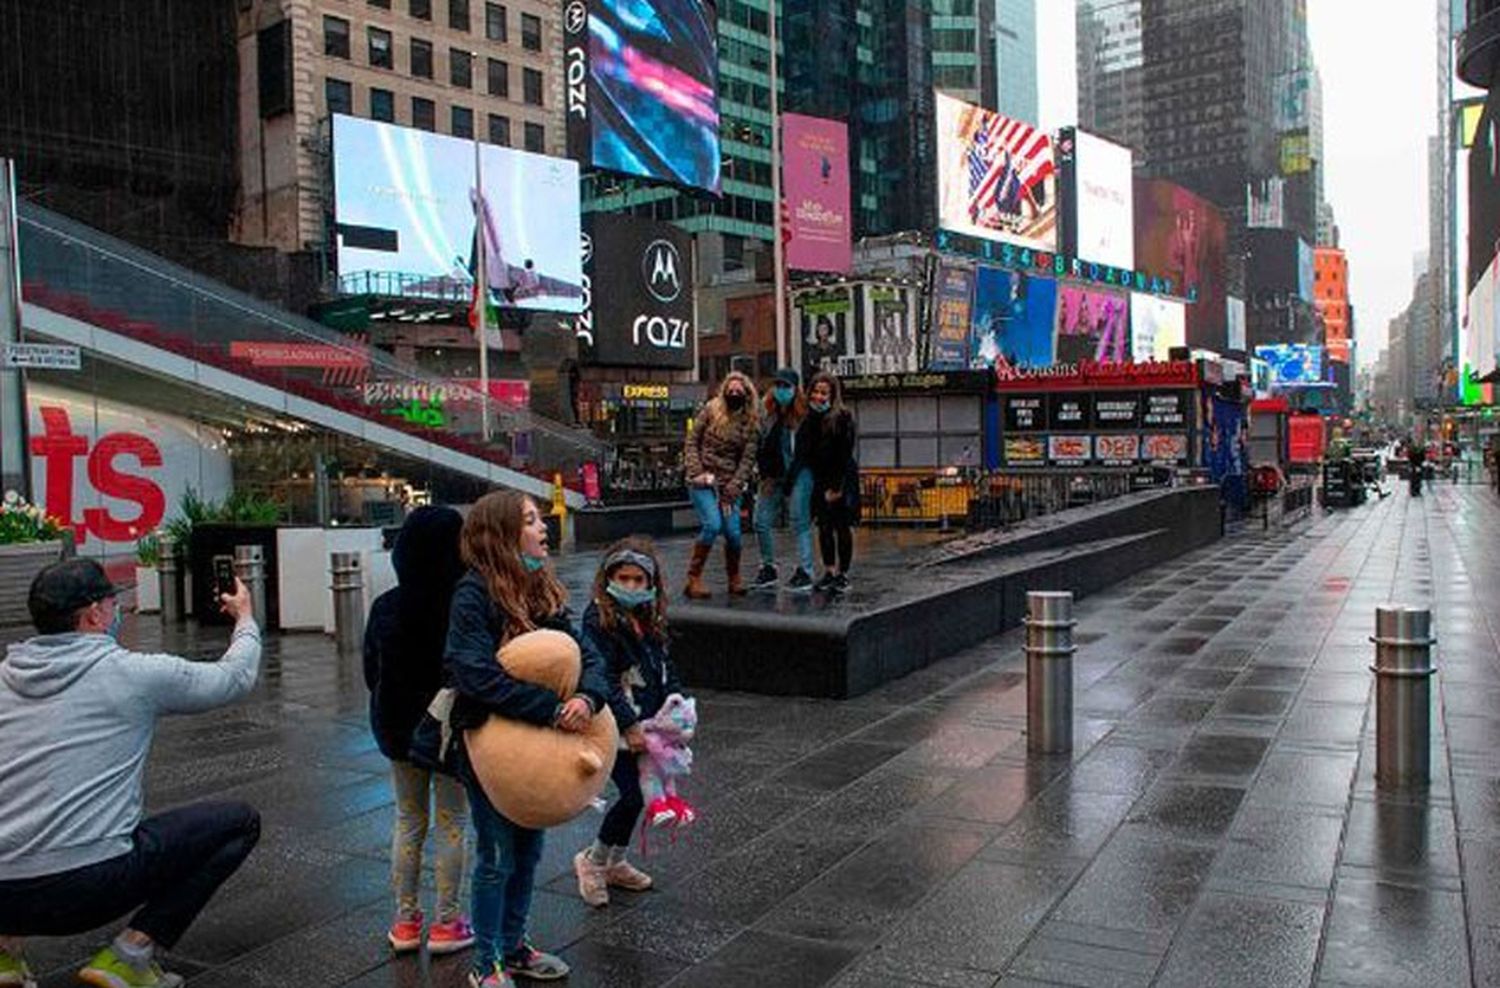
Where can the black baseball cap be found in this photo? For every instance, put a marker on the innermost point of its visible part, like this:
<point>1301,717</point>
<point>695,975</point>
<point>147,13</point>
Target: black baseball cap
<point>64,588</point>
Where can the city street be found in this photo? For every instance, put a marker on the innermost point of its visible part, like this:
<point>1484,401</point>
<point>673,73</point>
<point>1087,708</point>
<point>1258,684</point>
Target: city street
<point>1217,824</point>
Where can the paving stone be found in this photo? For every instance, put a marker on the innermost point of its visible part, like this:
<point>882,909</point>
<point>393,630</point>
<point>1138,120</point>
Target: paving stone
<point>1237,942</point>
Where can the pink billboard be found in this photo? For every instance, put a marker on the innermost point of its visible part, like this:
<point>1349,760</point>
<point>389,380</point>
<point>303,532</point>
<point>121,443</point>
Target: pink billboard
<point>816,173</point>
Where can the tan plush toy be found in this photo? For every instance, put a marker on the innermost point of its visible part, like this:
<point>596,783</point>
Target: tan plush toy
<point>535,776</point>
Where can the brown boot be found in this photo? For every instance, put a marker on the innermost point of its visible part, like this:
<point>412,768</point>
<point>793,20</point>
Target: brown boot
<point>694,589</point>
<point>732,569</point>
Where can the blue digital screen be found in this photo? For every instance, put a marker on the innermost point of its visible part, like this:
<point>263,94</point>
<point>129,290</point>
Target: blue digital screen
<point>1293,365</point>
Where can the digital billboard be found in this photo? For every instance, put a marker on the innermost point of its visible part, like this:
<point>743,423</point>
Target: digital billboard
<point>1293,365</point>
<point>996,176</point>
<point>955,305</point>
<point>1098,199</point>
<point>815,170</point>
<point>1156,326</point>
<point>405,206</point>
<point>1091,325</point>
<point>642,80</point>
<point>1013,320</point>
<point>1183,236</point>
<point>645,317</point>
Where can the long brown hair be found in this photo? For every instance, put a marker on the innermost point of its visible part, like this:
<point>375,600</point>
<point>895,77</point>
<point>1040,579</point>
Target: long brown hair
<point>835,398</point>
<point>610,614</point>
<point>492,548</point>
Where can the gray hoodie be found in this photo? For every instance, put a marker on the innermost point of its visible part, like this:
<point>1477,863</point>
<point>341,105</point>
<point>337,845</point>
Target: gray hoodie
<point>77,713</point>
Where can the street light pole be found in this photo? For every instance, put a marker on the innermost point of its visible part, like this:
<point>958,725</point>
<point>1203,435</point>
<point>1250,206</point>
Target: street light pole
<point>481,294</point>
<point>778,247</point>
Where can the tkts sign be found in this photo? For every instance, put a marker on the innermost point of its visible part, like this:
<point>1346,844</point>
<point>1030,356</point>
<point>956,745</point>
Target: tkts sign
<point>1088,374</point>
<point>638,294</point>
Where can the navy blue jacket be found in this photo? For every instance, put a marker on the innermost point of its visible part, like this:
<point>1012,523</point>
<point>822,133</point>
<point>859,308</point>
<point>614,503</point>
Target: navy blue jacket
<point>476,627</point>
<point>623,650</point>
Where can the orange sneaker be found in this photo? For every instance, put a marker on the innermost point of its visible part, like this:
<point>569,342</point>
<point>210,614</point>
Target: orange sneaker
<point>450,937</point>
<point>406,934</point>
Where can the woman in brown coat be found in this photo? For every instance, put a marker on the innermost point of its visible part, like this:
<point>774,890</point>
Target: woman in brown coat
<point>720,456</point>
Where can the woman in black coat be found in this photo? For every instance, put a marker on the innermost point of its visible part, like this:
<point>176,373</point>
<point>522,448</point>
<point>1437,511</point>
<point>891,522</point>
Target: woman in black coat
<point>404,640</point>
<point>826,446</point>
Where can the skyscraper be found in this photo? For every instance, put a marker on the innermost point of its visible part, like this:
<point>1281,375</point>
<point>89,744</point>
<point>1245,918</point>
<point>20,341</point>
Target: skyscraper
<point>1111,71</point>
<point>962,55</point>
<point>1016,59</point>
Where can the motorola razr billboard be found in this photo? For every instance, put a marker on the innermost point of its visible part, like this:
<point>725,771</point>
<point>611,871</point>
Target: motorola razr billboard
<point>638,294</point>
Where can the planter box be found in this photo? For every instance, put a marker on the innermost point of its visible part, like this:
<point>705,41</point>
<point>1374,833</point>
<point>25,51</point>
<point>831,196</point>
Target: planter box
<point>19,565</point>
<point>209,541</point>
<point>147,590</point>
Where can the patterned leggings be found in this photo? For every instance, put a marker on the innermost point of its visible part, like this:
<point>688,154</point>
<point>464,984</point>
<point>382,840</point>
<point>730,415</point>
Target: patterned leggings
<point>416,790</point>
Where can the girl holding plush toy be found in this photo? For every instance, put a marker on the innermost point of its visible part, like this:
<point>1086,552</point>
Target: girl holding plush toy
<point>509,590</point>
<point>626,622</point>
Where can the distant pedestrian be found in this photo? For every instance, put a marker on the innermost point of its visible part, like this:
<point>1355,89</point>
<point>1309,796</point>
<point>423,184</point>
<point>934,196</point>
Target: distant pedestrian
<point>509,590</point>
<point>779,494</point>
<point>720,456</point>
<point>404,639</point>
<point>826,443</point>
<point>77,714</point>
<point>626,621</point>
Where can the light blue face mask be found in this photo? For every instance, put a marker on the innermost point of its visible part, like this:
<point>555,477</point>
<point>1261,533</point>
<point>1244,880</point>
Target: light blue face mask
<point>630,598</point>
<point>784,395</point>
<point>116,622</point>
<point>533,563</point>
<point>819,406</point>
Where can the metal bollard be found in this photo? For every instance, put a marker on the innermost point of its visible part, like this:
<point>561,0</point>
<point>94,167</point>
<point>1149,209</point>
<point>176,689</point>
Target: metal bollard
<point>348,601</point>
<point>250,568</point>
<point>1049,672</point>
<point>1403,696</point>
<point>169,572</point>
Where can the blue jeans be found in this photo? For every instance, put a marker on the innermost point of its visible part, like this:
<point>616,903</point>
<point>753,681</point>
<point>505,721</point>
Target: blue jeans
<point>769,507</point>
<point>504,874</point>
<point>716,519</point>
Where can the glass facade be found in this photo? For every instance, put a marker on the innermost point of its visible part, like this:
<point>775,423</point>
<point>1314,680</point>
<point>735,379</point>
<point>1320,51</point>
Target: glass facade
<point>1016,59</point>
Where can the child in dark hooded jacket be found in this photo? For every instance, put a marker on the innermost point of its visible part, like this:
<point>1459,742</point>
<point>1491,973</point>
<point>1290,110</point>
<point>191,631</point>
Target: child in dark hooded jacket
<point>404,641</point>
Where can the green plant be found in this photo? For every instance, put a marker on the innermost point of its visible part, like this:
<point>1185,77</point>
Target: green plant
<point>21,522</point>
<point>249,508</point>
<point>148,551</point>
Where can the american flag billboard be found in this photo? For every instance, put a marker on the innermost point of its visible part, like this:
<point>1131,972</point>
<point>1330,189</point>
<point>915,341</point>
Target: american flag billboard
<point>997,177</point>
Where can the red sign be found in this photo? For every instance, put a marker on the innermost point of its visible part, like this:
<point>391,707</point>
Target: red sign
<point>1088,374</point>
<point>512,393</point>
<point>323,356</point>
<point>1304,438</point>
<point>59,446</point>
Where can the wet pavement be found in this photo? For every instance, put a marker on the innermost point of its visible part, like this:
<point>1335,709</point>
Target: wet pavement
<point>1217,824</point>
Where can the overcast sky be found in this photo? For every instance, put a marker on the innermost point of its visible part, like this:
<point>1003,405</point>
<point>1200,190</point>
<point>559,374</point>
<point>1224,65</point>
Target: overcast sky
<point>1379,97</point>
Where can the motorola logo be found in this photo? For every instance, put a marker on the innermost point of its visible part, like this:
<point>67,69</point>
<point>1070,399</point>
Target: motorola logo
<point>661,269</point>
<point>576,17</point>
<point>588,248</point>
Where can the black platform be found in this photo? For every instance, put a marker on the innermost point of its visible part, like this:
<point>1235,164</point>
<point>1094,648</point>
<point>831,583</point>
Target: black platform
<point>916,599</point>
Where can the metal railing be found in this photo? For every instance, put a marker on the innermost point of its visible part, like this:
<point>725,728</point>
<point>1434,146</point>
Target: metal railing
<point>977,499</point>
<point>74,270</point>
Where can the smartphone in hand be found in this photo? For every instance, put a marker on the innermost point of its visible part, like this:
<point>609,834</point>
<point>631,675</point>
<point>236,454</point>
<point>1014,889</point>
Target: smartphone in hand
<point>224,575</point>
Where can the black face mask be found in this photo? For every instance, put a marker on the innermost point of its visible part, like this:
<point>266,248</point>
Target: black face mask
<point>735,402</point>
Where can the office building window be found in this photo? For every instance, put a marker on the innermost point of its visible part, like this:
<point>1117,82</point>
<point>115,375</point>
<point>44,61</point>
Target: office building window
<point>494,22</point>
<point>499,74</point>
<point>458,14</point>
<point>463,122</point>
<point>531,86</point>
<point>336,37</point>
<point>423,113</point>
<point>383,105</point>
<point>536,138</point>
<point>531,32</point>
<point>421,58</point>
<point>421,9</point>
<point>380,48</point>
<point>461,68</point>
<point>339,96</point>
<point>499,130</point>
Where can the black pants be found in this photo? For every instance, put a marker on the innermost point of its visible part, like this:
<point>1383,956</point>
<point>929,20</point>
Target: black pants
<point>619,822</point>
<point>178,862</point>
<point>836,540</point>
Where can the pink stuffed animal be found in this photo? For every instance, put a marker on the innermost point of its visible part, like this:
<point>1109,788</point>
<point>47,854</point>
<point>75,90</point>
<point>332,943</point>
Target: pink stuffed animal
<point>667,758</point>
